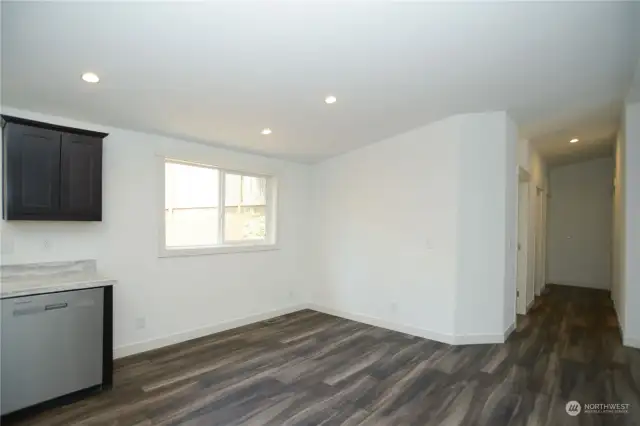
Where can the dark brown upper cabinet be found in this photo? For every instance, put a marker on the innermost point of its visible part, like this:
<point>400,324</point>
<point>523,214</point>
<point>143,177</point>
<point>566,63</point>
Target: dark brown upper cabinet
<point>50,172</point>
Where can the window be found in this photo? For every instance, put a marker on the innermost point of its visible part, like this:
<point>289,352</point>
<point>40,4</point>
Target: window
<point>211,210</point>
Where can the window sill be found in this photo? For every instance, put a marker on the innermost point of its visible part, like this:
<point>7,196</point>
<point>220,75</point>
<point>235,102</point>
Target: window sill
<point>217,250</point>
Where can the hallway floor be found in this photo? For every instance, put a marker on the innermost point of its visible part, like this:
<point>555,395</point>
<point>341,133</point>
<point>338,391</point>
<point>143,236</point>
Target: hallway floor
<point>309,368</point>
<point>570,345</point>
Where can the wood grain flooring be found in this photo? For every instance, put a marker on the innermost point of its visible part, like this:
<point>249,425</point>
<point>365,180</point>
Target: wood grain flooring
<point>309,368</point>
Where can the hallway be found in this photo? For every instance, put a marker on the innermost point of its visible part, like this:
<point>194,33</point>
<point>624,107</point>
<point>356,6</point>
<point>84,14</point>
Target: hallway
<point>570,345</point>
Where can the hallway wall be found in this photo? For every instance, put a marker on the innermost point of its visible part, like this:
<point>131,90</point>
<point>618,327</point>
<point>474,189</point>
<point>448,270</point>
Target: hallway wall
<point>539,181</point>
<point>580,218</point>
<point>631,278</point>
<point>529,159</point>
<point>618,267</point>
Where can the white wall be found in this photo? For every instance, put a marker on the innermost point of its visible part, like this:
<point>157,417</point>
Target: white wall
<point>525,235</point>
<point>625,290</point>
<point>619,233</point>
<point>580,224</point>
<point>413,232</point>
<point>384,243</point>
<point>632,224</point>
<point>186,296</point>
<point>522,244</point>
<point>487,211</point>
<point>385,230</point>
<point>510,189</point>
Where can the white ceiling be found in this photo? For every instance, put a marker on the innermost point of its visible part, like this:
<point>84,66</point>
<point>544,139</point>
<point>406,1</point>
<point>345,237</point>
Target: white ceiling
<point>596,131</point>
<point>219,72</point>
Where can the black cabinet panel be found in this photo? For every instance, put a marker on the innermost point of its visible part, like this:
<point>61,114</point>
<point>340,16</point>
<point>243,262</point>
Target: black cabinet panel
<point>51,172</point>
<point>32,170</point>
<point>81,176</point>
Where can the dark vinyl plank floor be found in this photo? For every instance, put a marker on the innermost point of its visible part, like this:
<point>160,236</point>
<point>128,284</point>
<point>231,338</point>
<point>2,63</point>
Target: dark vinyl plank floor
<point>309,368</point>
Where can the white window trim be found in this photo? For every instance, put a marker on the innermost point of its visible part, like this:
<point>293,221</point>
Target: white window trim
<point>271,243</point>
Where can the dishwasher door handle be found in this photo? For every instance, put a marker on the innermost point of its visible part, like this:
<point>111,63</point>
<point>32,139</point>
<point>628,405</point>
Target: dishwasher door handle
<point>55,306</point>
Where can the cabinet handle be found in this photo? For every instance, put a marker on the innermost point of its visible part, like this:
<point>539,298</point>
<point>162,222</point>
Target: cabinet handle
<point>55,306</point>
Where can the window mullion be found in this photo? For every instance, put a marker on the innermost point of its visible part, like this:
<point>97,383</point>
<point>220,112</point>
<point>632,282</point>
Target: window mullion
<point>221,207</point>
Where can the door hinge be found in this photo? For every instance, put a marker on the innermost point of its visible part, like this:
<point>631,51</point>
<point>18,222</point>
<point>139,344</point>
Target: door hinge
<point>517,293</point>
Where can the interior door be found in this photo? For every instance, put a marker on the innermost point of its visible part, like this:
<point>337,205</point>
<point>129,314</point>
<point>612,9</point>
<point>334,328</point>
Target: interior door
<point>536,244</point>
<point>540,236</point>
<point>523,220</point>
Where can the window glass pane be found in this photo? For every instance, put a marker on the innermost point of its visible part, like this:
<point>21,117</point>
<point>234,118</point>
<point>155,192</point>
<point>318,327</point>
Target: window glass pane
<point>245,207</point>
<point>191,205</point>
<point>232,190</point>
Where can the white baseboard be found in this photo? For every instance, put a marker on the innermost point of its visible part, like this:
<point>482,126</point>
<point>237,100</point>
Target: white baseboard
<point>530,305</point>
<point>631,342</point>
<point>478,339</point>
<point>377,322</point>
<point>606,287</point>
<point>620,325</point>
<point>171,339</point>
<point>468,339</point>
<point>508,331</point>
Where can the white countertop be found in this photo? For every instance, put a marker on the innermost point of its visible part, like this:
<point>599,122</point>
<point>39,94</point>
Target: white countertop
<point>28,280</point>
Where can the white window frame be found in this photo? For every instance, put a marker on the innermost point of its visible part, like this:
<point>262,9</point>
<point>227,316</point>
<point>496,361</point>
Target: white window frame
<point>224,246</point>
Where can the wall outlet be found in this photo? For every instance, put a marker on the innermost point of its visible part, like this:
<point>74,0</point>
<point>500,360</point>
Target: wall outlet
<point>141,323</point>
<point>292,294</point>
<point>428,244</point>
<point>393,307</point>
<point>46,245</point>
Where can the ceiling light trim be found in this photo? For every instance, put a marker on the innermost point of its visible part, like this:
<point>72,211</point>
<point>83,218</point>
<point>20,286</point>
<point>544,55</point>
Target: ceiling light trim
<point>90,77</point>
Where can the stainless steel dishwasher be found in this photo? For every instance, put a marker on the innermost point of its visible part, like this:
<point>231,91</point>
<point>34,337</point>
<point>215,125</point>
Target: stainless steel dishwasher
<point>52,345</point>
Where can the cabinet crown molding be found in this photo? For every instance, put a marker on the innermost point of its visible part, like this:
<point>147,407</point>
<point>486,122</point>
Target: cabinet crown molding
<point>49,126</point>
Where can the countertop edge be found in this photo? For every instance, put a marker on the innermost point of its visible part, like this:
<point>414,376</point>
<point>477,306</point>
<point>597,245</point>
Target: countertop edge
<point>56,288</point>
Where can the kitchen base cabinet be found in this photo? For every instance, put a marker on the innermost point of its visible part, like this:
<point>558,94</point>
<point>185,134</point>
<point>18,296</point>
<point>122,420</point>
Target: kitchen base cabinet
<point>56,347</point>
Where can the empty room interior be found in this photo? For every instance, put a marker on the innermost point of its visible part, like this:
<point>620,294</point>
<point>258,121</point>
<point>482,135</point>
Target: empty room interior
<point>320,213</point>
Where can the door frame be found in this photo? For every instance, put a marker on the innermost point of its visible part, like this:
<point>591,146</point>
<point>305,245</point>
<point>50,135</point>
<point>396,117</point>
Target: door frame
<point>540,235</point>
<point>522,241</point>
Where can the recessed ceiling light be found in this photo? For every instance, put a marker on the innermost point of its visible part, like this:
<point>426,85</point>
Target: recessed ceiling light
<point>90,77</point>
<point>266,131</point>
<point>574,140</point>
<point>330,99</point>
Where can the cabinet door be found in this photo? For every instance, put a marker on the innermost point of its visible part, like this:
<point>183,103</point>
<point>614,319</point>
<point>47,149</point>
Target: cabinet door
<point>81,177</point>
<point>32,161</point>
